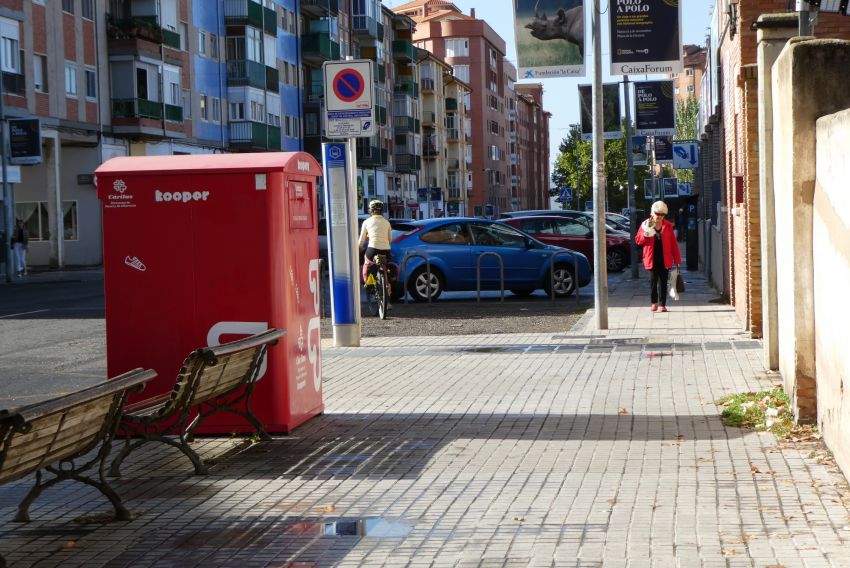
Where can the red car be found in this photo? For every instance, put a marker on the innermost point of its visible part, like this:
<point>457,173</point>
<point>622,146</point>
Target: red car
<point>568,233</point>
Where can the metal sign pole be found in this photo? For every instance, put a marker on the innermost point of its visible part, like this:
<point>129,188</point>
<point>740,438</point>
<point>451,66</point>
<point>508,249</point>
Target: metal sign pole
<point>600,265</point>
<point>8,197</point>
<point>630,191</point>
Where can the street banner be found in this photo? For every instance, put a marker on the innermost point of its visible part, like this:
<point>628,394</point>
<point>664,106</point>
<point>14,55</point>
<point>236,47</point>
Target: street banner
<point>645,36</point>
<point>24,141</point>
<point>610,111</point>
<point>639,153</point>
<point>549,38</point>
<point>663,149</point>
<point>655,108</point>
<point>686,154</point>
<point>671,187</point>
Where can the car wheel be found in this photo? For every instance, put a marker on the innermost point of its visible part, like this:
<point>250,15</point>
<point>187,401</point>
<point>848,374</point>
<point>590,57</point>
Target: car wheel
<point>418,283</point>
<point>522,293</point>
<point>565,282</point>
<point>616,260</point>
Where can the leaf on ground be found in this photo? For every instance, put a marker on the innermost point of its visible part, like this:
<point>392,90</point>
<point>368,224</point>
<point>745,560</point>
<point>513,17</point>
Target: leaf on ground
<point>623,411</point>
<point>754,469</point>
<point>612,501</point>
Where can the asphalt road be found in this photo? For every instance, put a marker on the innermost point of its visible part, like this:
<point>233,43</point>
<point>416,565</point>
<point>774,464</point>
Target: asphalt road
<point>52,333</point>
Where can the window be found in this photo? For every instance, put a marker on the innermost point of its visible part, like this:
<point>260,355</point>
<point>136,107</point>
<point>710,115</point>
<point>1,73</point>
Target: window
<point>253,44</point>
<point>70,79</point>
<point>91,83</point>
<point>214,46</point>
<point>68,6</point>
<point>461,72</point>
<point>572,228</point>
<point>216,109</point>
<point>538,227</point>
<point>257,112</point>
<point>34,216</point>
<point>11,55</point>
<point>448,234</point>
<point>457,47</point>
<point>689,71</point>
<point>87,12</point>
<point>202,42</point>
<point>690,88</point>
<point>39,77</point>
<point>496,236</point>
<point>236,111</point>
<point>203,106</point>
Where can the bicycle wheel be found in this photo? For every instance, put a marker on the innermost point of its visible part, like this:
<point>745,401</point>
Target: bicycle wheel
<point>372,299</point>
<point>381,294</point>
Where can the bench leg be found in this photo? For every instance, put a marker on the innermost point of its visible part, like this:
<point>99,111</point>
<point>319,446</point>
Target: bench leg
<point>121,513</point>
<point>183,446</point>
<point>23,515</point>
<point>115,467</point>
<point>2,561</point>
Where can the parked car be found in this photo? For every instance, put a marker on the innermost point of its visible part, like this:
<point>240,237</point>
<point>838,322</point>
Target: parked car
<point>571,234</point>
<point>454,246</point>
<point>399,226</point>
<point>583,217</point>
<point>619,222</point>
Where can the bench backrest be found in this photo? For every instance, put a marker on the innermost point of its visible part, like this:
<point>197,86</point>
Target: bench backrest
<point>40,434</point>
<point>211,372</point>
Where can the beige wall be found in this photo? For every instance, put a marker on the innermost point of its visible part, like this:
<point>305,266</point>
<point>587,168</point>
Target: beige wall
<point>809,81</point>
<point>831,243</point>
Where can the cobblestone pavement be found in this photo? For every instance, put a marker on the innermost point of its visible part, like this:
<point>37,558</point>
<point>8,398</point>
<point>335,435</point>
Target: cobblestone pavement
<point>580,448</point>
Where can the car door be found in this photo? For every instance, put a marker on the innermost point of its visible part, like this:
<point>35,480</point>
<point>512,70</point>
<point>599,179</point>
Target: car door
<point>541,228</point>
<point>575,236</point>
<point>522,264</point>
<point>450,243</point>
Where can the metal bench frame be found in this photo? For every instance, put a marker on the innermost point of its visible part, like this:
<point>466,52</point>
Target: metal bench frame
<point>61,447</point>
<point>168,416</point>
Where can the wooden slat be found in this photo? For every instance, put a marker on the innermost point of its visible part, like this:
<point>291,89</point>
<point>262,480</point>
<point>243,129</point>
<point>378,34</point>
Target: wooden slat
<point>227,375</point>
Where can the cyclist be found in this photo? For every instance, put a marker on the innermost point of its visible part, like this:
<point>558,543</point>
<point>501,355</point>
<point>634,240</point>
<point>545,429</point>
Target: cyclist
<point>379,233</point>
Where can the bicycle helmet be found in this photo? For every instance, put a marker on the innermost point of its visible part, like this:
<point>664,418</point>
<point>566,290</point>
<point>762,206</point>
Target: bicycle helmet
<point>376,206</point>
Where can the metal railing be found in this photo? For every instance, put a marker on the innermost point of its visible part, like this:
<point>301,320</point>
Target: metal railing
<point>501,274</point>
<point>552,273</point>
<point>404,262</point>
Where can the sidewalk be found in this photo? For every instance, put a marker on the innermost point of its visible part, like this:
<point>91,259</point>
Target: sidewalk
<point>581,448</point>
<point>49,276</point>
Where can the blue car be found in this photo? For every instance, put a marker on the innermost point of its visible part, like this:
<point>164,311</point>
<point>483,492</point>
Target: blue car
<point>453,246</point>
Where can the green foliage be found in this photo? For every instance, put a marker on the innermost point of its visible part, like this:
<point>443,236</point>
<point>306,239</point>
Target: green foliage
<point>574,168</point>
<point>687,115</point>
<point>765,410</point>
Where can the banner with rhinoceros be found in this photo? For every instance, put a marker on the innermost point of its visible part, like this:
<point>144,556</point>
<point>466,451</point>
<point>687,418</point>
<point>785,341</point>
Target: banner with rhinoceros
<point>550,38</point>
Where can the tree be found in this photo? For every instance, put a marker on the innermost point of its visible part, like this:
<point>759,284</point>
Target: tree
<point>574,168</point>
<point>687,115</point>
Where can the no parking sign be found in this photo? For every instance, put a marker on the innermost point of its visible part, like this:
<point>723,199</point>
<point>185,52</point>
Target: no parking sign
<point>349,99</point>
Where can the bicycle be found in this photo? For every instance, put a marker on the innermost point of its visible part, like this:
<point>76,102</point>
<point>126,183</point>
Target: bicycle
<point>378,285</point>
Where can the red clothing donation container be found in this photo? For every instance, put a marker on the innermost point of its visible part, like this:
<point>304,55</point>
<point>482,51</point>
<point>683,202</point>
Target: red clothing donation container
<point>204,249</point>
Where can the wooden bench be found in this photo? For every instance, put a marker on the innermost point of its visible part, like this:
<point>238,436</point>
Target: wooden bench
<point>212,380</point>
<point>59,431</point>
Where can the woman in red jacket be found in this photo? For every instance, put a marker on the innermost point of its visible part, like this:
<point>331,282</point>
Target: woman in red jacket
<point>660,252</point>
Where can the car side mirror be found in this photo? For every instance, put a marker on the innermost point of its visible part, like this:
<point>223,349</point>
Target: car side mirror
<point>529,243</point>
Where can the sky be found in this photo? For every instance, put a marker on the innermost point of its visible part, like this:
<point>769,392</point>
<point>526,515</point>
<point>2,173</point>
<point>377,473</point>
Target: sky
<point>560,95</point>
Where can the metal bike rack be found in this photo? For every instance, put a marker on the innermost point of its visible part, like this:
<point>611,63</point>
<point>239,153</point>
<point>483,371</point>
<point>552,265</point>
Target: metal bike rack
<point>552,273</point>
<point>501,273</point>
<point>427,269</point>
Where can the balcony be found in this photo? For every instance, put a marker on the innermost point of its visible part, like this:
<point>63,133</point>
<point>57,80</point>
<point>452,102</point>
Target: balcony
<point>381,73</point>
<point>452,135</point>
<point>319,8</point>
<point>243,72</point>
<point>316,48</point>
<point>514,180</point>
<point>370,156</point>
<point>403,123</point>
<point>407,163</point>
<point>429,149</point>
<point>380,115</point>
<point>427,85</point>
<point>380,32</point>
<point>429,117</point>
<point>406,86</point>
<point>246,12</point>
<point>453,163</point>
<point>451,104</point>
<point>364,26</point>
<point>404,51</point>
<point>247,135</point>
<point>315,93</point>
<point>137,108</point>
<point>170,39</point>
<point>14,83</point>
<point>134,29</point>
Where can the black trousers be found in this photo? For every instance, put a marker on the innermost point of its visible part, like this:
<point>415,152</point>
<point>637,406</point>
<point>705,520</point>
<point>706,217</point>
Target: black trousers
<point>658,285</point>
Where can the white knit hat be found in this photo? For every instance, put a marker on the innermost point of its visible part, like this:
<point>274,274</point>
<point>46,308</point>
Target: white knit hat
<point>659,208</point>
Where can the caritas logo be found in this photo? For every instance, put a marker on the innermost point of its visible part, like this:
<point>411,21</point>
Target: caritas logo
<point>180,196</point>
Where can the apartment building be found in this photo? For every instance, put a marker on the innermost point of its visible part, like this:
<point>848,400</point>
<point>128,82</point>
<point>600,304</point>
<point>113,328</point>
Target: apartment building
<point>688,82</point>
<point>530,144</point>
<point>477,56</point>
<point>459,150</point>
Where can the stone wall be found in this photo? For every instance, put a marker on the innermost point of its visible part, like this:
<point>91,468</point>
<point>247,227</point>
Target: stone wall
<point>831,246</point>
